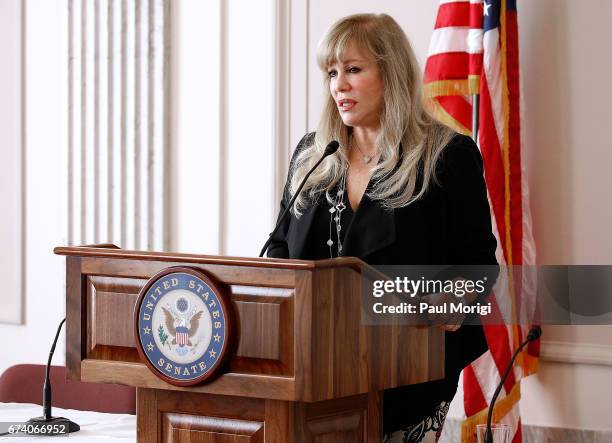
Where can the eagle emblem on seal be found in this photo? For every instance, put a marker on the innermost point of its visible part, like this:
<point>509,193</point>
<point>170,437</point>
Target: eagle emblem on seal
<point>181,324</point>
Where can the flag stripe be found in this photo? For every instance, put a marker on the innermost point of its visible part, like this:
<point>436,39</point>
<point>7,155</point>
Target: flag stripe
<point>460,109</point>
<point>518,436</point>
<point>492,70</point>
<point>498,339</point>
<point>453,65</point>
<point>491,156</point>
<point>475,402</point>
<point>453,14</point>
<point>449,40</point>
<point>476,17</point>
<point>448,119</point>
<point>487,376</point>
<point>475,42</point>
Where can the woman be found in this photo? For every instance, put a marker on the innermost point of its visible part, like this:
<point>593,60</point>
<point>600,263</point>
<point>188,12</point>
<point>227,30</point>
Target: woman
<point>402,189</point>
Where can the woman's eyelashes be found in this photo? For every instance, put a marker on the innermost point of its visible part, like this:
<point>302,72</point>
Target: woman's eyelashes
<point>348,70</point>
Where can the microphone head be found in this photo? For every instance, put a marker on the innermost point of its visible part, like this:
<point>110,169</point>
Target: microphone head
<point>331,147</point>
<point>534,333</point>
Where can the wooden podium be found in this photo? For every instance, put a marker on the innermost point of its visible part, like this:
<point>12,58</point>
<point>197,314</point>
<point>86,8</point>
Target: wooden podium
<point>303,366</point>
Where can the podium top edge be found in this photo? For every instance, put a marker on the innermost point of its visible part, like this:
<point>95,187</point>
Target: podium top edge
<point>111,251</point>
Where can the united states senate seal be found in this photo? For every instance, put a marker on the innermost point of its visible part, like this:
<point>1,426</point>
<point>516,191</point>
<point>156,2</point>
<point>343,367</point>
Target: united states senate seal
<point>182,326</point>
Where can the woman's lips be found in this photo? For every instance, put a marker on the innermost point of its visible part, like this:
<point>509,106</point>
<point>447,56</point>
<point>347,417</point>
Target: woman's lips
<point>346,105</point>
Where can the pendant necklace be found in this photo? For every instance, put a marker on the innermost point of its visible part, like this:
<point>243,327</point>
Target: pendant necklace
<point>366,158</point>
<point>335,216</point>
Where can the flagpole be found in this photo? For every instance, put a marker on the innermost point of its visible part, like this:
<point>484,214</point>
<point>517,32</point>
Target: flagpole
<point>475,114</point>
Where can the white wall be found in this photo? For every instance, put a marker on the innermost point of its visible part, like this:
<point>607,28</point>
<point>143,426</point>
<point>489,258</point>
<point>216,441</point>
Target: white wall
<point>45,185</point>
<point>196,126</point>
<point>223,128</point>
<point>11,298</point>
<point>566,89</point>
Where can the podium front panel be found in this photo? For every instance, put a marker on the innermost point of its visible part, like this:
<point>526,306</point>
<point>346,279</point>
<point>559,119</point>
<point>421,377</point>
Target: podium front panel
<point>298,330</point>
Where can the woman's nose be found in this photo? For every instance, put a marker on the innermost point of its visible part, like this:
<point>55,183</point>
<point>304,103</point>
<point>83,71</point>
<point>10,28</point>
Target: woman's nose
<point>341,83</point>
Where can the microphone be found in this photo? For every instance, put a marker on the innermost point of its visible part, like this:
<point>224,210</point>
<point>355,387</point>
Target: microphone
<point>62,425</point>
<point>331,148</point>
<point>534,334</point>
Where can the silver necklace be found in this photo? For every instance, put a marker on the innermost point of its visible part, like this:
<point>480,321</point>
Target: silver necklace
<point>366,158</point>
<point>335,216</point>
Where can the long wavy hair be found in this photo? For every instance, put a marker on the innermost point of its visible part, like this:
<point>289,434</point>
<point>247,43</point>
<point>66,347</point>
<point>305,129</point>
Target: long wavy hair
<point>410,140</point>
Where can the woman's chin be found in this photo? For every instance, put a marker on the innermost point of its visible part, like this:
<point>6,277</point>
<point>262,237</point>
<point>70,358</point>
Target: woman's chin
<point>350,121</point>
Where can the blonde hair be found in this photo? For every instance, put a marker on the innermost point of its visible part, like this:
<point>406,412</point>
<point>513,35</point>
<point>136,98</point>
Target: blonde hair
<point>404,122</point>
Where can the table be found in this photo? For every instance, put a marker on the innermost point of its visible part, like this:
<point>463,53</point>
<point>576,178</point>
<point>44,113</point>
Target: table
<point>95,426</point>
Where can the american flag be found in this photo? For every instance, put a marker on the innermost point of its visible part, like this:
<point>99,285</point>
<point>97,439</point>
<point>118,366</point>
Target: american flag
<point>474,50</point>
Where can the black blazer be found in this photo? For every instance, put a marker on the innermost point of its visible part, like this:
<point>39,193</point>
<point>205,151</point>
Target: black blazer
<point>449,225</point>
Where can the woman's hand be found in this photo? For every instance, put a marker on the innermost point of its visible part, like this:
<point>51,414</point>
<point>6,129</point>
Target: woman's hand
<point>446,319</point>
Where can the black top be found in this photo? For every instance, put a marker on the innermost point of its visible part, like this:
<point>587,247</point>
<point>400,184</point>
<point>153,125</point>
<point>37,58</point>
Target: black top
<point>324,228</point>
<point>449,225</point>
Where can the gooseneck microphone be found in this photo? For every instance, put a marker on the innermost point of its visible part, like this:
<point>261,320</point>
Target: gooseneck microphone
<point>63,424</point>
<point>534,334</point>
<point>331,148</point>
